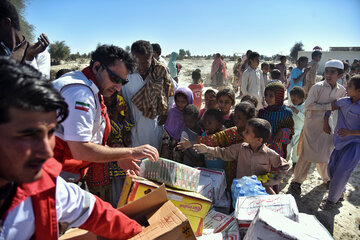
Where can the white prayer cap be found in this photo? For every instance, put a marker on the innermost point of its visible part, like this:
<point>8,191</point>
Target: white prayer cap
<point>335,64</point>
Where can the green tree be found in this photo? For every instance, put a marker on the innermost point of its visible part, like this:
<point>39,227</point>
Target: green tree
<point>27,29</point>
<point>188,53</point>
<point>59,51</point>
<point>127,48</point>
<point>295,49</point>
<point>182,54</point>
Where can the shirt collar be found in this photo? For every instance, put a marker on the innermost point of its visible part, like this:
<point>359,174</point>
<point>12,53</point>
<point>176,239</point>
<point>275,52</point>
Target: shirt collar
<point>261,149</point>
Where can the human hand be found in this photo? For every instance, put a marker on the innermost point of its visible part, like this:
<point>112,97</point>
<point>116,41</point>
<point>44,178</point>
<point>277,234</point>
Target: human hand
<point>326,127</point>
<point>333,106</point>
<point>278,136</point>
<point>200,148</point>
<point>145,151</point>
<point>184,145</point>
<point>344,132</point>
<point>38,47</point>
<point>129,165</point>
<point>294,109</point>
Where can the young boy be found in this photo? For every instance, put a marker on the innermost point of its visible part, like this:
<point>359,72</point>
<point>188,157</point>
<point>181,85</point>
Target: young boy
<point>317,145</point>
<point>265,70</point>
<point>297,74</point>
<point>310,77</point>
<point>275,76</point>
<point>297,95</point>
<point>253,157</point>
<point>282,68</point>
<point>345,157</point>
<point>196,87</point>
<point>251,81</point>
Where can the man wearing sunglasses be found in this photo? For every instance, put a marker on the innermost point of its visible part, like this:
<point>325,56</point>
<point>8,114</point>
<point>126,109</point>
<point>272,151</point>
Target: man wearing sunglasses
<point>81,138</point>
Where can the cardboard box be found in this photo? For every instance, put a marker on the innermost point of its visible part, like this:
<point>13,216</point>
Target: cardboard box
<point>160,216</point>
<point>193,205</point>
<point>218,184</point>
<point>222,223</point>
<point>274,226</point>
<point>247,207</point>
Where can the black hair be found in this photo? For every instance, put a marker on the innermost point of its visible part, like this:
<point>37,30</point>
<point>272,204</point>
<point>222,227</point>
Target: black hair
<point>297,91</point>
<point>142,47</point>
<point>23,87</point>
<point>192,111</point>
<point>282,57</point>
<point>8,10</point>
<point>302,59</point>
<point>226,91</point>
<point>156,48</point>
<point>315,54</point>
<point>196,75</point>
<point>275,74</point>
<point>261,128</point>
<point>248,52</point>
<point>251,99</point>
<point>180,94</point>
<point>61,72</point>
<point>247,108</point>
<point>210,91</point>
<point>108,54</point>
<point>271,66</point>
<point>216,113</point>
<point>253,55</point>
<point>264,64</point>
<point>346,66</point>
<point>356,81</point>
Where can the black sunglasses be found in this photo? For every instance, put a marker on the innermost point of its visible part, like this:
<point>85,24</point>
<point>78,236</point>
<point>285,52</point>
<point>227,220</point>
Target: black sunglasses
<point>114,77</point>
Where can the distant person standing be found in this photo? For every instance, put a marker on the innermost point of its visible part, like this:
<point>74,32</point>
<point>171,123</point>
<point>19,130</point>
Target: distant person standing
<point>237,75</point>
<point>218,72</point>
<point>196,87</point>
<point>172,66</point>
<point>282,67</point>
<point>251,81</point>
<point>157,53</point>
<point>310,78</point>
<point>298,73</point>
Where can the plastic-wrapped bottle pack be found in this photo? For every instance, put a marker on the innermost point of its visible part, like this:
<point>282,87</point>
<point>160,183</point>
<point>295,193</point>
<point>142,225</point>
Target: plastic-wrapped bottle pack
<point>171,173</point>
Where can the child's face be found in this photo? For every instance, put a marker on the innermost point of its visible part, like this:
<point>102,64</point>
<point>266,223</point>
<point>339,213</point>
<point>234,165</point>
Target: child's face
<point>190,121</point>
<point>249,135</point>
<point>225,104</point>
<point>254,63</point>
<point>265,69</point>
<point>181,101</point>
<point>303,64</point>
<point>210,101</point>
<point>317,58</point>
<point>283,61</point>
<point>270,98</point>
<point>296,100</point>
<point>351,91</point>
<point>240,120</point>
<point>211,125</point>
<point>331,75</point>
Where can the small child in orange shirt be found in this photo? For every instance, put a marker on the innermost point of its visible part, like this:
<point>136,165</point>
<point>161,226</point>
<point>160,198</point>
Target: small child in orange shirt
<point>196,87</point>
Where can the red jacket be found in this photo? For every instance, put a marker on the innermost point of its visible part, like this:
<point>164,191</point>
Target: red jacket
<point>104,220</point>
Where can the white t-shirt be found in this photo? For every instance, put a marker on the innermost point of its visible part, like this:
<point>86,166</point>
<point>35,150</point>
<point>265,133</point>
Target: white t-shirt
<point>84,123</point>
<point>42,63</point>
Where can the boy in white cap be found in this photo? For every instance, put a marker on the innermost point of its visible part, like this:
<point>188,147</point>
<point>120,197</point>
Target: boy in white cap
<point>317,142</point>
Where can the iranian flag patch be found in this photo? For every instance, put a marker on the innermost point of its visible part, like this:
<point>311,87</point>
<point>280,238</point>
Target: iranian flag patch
<point>82,106</point>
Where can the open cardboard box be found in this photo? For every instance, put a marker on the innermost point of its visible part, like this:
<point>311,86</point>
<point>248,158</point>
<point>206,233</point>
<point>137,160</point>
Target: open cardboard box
<point>159,216</point>
<point>193,205</point>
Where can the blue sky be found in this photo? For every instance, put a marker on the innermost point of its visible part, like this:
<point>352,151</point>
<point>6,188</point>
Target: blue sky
<point>201,26</point>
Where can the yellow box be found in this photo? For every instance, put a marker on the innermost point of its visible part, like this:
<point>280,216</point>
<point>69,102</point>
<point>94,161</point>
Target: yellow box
<point>193,205</point>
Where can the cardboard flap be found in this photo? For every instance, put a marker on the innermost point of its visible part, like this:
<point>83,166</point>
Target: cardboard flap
<point>143,204</point>
<point>168,213</point>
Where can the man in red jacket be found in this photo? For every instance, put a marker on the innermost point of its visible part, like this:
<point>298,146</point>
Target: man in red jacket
<point>33,198</point>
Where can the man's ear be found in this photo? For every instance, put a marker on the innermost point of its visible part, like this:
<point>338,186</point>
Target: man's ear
<point>260,140</point>
<point>6,22</point>
<point>96,66</point>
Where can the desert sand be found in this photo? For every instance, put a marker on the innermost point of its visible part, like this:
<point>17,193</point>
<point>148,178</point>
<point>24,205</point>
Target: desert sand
<point>342,222</point>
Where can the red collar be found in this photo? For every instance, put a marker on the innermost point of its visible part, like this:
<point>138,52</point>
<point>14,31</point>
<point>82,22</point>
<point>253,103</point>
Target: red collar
<point>50,171</point>
<point>90,75</point>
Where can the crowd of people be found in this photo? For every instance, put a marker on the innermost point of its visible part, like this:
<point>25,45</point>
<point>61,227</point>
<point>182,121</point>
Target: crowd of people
<point>66,145</point>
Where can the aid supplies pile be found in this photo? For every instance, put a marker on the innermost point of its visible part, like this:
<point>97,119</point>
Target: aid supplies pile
<point>173,174</point>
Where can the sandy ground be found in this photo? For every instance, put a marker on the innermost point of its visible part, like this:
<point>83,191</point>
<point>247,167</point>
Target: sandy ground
<point>343,222</point>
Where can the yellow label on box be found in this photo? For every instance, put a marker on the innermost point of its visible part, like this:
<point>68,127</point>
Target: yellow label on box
<point>193,205</point>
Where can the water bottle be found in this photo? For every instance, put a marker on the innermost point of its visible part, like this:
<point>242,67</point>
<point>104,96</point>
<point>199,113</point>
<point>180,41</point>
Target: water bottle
<point>238,189</point>
<point>233,185</point>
